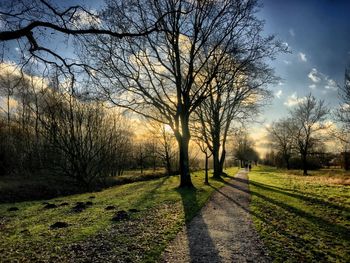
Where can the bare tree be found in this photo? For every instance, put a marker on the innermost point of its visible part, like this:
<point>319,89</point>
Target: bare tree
<point>243,149</point>
<point>308,120</point>
<point>33,25</point>
<point>207,154</point>
<point>168,74</point>
<point>165,144</point>
<point>281,137</point>
<point>237,94</point>
<point>343,113</point>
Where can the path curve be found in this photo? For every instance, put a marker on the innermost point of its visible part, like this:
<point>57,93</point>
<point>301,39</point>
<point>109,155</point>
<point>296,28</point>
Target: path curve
<point>222,232</point>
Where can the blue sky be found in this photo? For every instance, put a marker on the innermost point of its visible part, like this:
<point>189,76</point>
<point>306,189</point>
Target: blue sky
<point>318,34</point>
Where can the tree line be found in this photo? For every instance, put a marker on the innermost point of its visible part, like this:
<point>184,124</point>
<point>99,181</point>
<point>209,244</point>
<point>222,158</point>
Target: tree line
<point>198,67</point>
<point>299,140</point>
<point>47,128</point>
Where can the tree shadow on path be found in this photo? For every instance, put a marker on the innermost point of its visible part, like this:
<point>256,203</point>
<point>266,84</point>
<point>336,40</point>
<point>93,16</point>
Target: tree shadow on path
<point>201,245</point>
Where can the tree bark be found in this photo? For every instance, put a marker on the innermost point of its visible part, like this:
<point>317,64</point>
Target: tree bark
<point>222,161</point>
<point>216,162</point>
<point>206,169</point>
<point>287,163</point>
<point>185,176</point>
<point>168,164</point>
<point>184,161</point>
<point>304,161</point>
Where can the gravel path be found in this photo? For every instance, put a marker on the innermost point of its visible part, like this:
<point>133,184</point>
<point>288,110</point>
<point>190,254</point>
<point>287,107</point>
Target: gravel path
<point>222,232</point>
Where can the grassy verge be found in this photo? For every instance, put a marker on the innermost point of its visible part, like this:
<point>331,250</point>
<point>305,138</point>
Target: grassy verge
<point>302,219</point>
<point>19,188</point>
<point>91,235</point>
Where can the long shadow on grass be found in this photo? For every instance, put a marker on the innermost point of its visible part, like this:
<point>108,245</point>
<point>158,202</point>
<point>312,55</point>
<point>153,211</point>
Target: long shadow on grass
<point>337,230</point>
<point>290,236</point>
<point>201,245</point>
<point>296,194</point>
<point>149,195</point>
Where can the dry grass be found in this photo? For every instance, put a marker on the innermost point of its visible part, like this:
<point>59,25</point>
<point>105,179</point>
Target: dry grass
<point>325,176</point>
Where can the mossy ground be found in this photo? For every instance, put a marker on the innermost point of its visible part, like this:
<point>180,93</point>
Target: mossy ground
<point>25,235</point>
<point>302,218</point>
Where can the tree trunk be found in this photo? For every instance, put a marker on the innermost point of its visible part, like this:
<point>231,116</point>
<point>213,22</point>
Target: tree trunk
<point>185,176</point>
<point>304,161</point>
<point>184,163</point>
<point>216,161</point>
<point>206,169</point>
<point>168,164</point>
<point>222,161</point>
<point>287,163</point>
<point>141,163</point>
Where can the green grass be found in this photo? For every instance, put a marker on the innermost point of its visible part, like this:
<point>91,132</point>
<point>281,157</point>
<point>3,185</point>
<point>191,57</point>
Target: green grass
<point>302,219</point>
<point>25,235</point>
<point>19,187</point>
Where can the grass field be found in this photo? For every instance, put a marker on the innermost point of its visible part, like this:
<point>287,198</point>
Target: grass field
<point>302,218</point>
<point>91,235</point>
<point>18,188</point>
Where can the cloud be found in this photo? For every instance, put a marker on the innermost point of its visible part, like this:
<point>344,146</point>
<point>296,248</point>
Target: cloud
<point>322,80</point>
<point>294,100</point>
<point>291,32</point>
<point>312,86</point>
<point>302,56</point>
<point>286,45</point>
<point>314,75</point>
<point>82,18</point>
<point>287,62</point>
<point>331,84</point>
<point>278,94</point>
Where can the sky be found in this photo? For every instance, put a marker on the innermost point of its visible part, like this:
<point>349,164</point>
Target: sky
<point>317,33</point>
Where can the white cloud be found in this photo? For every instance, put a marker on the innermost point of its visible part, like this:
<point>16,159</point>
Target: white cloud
<point>314,75</point>
<point>286,45</point>
<point>291,32</point>
<point>345,106</point>
<point>312,86</point>
<point>294,100</point>
<point>302,56</point>
<point>280,83</point>
<point>331,84</point>
<point>279,93</point>
<point>287,62</point>
<point>82,18</point>
<point>322,80</point>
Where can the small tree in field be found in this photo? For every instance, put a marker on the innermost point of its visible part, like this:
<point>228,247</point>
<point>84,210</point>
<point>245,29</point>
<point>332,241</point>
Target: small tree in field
<point>281,136</point>
<point>307,120</point>
<point>343,113</point>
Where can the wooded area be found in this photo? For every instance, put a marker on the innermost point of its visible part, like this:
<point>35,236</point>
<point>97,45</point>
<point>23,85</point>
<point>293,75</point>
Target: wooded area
<point>129,129</point>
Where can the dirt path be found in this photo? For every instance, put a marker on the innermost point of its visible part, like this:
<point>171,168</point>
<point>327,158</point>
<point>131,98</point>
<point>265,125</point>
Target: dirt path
<point>222,232</point>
